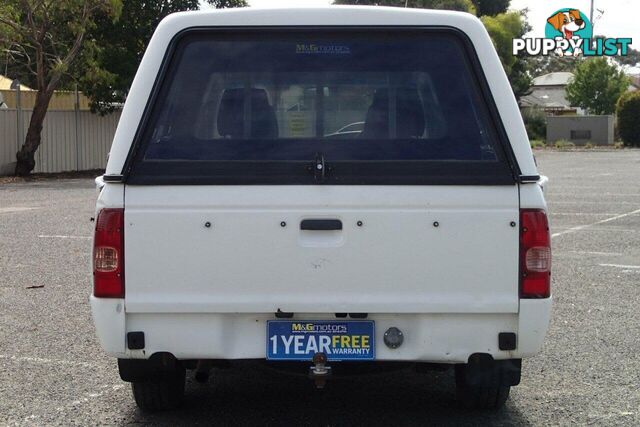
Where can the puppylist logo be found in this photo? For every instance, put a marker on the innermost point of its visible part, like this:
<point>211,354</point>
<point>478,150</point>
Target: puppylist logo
<point>569,32</point>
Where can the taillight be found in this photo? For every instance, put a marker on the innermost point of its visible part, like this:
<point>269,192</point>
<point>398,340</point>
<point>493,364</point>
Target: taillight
<point>535,254</point>
<point>108,254</point>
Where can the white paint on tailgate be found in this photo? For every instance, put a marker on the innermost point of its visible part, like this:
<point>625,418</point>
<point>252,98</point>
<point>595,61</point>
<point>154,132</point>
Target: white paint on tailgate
<point>397,262</point>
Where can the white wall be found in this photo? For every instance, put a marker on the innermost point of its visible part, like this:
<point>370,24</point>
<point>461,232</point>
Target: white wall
<point>600,128</point>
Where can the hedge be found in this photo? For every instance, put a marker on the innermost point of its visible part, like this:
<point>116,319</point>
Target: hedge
<point>628,112</point>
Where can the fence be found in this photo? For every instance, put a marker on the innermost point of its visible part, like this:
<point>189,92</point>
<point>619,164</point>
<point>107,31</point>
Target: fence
<point>61,100</point>
<point>71,140</point>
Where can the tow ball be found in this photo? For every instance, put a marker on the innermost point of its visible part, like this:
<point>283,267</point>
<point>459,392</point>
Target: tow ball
<point>319,372</point>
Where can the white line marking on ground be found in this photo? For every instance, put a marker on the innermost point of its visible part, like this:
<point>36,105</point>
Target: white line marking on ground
<point>599,194</point>
<point>61,236</point>
<point>626,267</point>
<point>586,202</point>
<point>16,209</point>
<point>84,399</point>
<point>604,229</point>
<point>45,361</point>
<point>582,227</point>
<point>585,213</point>
<point>593,253</point>
<point>108,388</point>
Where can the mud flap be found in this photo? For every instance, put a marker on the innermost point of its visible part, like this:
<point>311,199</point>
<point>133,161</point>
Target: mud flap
<point>158,366</point>
<point>483,371</point>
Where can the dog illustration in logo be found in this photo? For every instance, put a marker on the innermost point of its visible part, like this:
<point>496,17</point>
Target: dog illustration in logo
<point>567,23</point>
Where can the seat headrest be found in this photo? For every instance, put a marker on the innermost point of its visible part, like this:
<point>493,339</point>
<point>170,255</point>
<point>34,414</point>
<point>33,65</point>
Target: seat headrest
<point>231,114</point>
<point>409,115</point>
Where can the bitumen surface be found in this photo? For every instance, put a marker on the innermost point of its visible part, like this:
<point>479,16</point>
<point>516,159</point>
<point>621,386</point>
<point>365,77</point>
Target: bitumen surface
<point>53,372</point>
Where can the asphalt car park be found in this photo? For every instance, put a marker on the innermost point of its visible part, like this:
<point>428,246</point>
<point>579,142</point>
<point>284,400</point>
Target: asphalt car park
<point>52,370</point>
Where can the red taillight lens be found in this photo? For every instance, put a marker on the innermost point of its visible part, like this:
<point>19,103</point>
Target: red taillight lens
<point>108,254</point>
<point>535,254</point>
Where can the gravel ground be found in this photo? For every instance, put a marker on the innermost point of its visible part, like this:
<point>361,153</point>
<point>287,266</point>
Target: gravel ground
<point>52,371</point>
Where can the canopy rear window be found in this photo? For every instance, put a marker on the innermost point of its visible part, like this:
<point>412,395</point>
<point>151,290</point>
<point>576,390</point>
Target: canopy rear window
<point>326,106</point>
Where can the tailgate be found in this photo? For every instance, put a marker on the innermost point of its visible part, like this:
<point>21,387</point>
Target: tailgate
<point>401,249</point>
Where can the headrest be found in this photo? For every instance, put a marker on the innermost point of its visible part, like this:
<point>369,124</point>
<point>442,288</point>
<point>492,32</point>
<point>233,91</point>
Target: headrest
<point>231,114</point>
<point>409,115</point>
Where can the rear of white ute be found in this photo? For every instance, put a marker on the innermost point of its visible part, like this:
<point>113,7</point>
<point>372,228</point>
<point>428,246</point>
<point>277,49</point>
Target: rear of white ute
<point>321,186</point>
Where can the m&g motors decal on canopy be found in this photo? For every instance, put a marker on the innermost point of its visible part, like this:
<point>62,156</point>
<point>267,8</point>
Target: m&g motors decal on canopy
<point>322,49</point>
<point>568,32</point>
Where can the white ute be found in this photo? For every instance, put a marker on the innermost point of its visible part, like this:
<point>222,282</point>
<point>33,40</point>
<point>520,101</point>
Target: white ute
<point>330,187</point>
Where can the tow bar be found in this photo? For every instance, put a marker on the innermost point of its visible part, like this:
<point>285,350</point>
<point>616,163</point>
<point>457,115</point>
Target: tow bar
<point>319,372</point>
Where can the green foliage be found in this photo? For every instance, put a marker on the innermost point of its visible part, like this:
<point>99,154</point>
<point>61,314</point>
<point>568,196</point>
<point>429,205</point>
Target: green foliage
<point>589,146</point>
<point>491,7</point>
<point>503,28</point>
<point>563,144</point>
<point>631,59</point>
<point>44,39</point>
<point>540,65</point>
<point>459,5</point>
<point>537,144</point>
<point>225,4</point>
<point>52,31</point>
<point>628,112</point>
<point>618,145</point>
<point>117,46</point>
<point>479,7</point>
<point>597,85</point>
<point>535,120</point>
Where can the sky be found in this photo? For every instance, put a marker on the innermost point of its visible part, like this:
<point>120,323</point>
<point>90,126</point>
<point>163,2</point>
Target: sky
<point>620,18</point>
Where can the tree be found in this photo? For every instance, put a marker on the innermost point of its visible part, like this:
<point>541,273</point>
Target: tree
<point>596,86</point>
<point>480,7</point>
<point>491,7</point>
<point>51,43</point>
<point>45,37</point>
<point>503,28</point>
<point>116,47</point>
<point>539,65</point>
<point>459,5</point>
<point>628,112</point>
<point>630,60</point>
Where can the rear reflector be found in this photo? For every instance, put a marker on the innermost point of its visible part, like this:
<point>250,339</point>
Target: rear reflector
<point>108,254</point>
<point>535,254</point>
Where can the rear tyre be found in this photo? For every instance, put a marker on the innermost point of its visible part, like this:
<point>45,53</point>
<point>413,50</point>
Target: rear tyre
<point>162,393</point>
<point>479,397</point>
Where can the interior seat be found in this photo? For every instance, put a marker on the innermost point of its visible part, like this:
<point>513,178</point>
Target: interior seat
<point>410,121</point>
<point>231,114</point>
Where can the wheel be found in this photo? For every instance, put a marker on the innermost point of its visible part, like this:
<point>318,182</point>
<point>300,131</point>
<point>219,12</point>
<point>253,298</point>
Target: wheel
<point>161,394</point>
<point>479,397</point>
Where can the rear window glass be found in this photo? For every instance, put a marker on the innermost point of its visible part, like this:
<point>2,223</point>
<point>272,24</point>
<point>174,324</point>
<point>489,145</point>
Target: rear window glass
<point>342,107</point>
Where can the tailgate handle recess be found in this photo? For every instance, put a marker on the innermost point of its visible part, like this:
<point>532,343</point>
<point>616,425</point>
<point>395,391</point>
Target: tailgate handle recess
<point>321,224</point>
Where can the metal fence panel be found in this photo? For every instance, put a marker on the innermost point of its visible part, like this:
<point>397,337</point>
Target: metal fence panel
<point>71,140</point>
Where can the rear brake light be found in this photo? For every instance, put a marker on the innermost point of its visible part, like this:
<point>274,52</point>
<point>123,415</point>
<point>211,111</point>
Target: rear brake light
<point>108,254</point>
<point>535,254</point>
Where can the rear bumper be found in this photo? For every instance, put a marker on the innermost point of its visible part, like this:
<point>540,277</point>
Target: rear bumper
<point>437,338</point>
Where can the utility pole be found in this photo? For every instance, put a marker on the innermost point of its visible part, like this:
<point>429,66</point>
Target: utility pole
<point>591,14</point>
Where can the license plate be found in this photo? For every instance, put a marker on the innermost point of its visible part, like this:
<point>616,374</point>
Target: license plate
<point>300,340</point>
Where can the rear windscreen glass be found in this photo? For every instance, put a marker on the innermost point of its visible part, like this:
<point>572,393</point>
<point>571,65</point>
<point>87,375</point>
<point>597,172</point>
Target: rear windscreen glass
<point>342,107</point>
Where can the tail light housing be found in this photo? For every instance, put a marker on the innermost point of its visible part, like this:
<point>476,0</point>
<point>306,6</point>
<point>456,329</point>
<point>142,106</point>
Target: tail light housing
<point>108,254</point>
<point>535,254</point>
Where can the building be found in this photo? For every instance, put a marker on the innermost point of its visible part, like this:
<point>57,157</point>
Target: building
<point>548,93</point>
